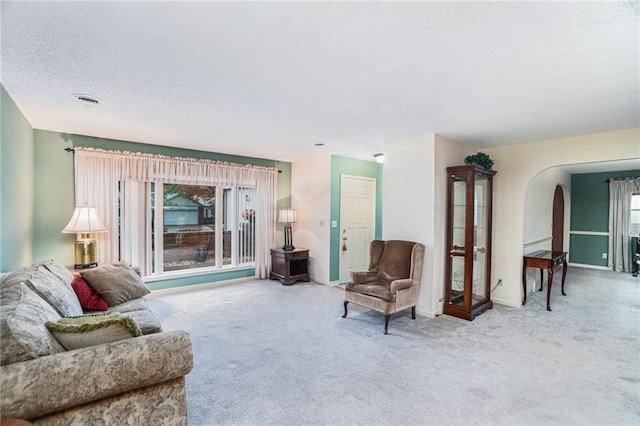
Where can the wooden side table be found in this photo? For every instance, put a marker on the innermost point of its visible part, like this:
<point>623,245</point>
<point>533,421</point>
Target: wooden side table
<point>289,266</point>
<point>544,259</point>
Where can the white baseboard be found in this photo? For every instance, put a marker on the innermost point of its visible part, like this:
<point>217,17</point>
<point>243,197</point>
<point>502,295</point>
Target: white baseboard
<point>580,265</point>
<point>508,303</point>
<point>194,287</point>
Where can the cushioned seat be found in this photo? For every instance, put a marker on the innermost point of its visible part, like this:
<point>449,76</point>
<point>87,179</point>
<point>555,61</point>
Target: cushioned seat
<point>391,283</point>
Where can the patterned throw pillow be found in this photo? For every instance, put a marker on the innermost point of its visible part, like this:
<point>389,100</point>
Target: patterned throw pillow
<point>90,300</point>
<point>91,330</point>
<point>117,283</point>
<point>48,286</point>
<point>23,335</point>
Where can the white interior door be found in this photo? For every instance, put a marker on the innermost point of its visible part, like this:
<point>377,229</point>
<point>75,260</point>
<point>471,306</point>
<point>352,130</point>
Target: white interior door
<point>357,222</point>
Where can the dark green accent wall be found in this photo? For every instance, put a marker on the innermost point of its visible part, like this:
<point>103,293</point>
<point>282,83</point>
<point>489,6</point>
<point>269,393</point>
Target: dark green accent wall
<point>16,186</point>
<point>350,166</point>
<point>590,213</point>
<point>54,189</point>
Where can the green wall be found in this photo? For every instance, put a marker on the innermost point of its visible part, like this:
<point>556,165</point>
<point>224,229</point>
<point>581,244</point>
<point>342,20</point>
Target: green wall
<point>54,189</point>
<point>350,166</point>
<point>16,186</point>
<point>590,213</point>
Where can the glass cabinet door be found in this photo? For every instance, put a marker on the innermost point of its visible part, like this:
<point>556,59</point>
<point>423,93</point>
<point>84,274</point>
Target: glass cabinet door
<point>457,249</point>
<point>480,239</point>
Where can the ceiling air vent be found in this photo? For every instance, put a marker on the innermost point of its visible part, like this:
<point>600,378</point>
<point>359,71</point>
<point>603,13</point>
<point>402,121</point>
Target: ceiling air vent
<point>87,99</point>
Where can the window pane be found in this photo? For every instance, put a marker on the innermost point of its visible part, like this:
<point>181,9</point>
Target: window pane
<point>188,226</point>
<point>247,224</point>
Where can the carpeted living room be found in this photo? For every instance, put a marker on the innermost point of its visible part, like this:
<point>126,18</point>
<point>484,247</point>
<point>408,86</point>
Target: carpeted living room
<point>270,354</point>
<point>359,213</point>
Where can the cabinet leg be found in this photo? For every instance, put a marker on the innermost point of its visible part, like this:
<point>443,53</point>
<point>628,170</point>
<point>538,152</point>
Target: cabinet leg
<point>345,309</point>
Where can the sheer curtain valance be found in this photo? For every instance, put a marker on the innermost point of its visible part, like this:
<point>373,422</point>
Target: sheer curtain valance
<point>98,173</point>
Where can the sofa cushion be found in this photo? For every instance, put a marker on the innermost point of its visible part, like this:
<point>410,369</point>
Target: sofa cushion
<point>117,283</point>
<point>49,287</point>
<point>57,269</point>
<point>89,298</point>
<point>23,315</point>
<point>95,330</point>
<point>145,319</point>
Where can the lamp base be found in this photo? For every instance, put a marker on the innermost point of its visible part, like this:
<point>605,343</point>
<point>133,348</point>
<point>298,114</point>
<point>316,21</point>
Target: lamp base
<point>288,243</point>
<point>85,252</point>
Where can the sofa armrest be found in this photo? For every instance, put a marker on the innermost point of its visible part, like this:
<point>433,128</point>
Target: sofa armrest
<point>55,382</point>
<point>363,277</point>
<point>400,284</point>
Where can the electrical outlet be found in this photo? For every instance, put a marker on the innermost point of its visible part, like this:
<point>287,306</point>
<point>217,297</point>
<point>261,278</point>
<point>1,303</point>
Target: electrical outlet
<point>604,255</point>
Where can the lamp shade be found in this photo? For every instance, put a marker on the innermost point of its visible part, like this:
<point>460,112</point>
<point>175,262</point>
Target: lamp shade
<point>287,216</point>
<point>85,219</point>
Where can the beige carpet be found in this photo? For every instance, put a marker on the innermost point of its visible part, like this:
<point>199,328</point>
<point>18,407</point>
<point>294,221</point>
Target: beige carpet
<point>268,354</point>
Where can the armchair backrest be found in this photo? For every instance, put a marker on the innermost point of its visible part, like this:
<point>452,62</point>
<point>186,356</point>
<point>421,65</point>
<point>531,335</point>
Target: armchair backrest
<point>396,259</point>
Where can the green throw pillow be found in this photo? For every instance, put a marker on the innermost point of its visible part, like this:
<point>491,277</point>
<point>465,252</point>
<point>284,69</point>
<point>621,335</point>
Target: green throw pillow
<point>95,329</point>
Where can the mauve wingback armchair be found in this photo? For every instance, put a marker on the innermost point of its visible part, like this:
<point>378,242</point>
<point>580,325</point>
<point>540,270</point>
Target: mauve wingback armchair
<point>392,281</point>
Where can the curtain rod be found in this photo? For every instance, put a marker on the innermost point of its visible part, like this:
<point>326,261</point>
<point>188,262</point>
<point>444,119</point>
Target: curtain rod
<point>73,150</point>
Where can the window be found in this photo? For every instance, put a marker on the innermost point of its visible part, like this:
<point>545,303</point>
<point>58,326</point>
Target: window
<point>193,226</point>
<point>634,222</point>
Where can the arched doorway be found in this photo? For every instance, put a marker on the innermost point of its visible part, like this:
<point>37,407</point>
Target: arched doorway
<point>557,227</point>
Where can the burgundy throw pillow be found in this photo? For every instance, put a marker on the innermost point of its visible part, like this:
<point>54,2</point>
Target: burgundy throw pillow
<point>89,298</point>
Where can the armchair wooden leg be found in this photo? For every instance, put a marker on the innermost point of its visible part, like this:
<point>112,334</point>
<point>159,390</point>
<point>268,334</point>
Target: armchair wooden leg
<point>413,312</point>
<point>386,323</point>
<point>345,309</point>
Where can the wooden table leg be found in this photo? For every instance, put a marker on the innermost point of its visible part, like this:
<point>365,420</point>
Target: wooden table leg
<point>550,278</point>
<point>564,275</point>
<point>524,283</point>
<point>541,279</point>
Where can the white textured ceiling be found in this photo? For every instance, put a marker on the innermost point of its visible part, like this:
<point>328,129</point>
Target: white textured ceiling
<point>271,79</point>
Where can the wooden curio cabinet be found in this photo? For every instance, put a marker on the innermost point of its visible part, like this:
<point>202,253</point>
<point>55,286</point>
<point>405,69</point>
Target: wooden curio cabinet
<point>468,260</point>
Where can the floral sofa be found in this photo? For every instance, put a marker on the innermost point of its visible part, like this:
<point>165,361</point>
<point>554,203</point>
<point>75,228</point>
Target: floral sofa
<point>134,380</point>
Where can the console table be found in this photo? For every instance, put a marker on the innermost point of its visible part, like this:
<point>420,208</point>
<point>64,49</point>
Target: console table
<point>289,266</point>
<point>544,259</point>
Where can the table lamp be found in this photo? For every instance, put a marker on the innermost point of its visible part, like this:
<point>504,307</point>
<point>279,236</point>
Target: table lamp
<point>287,216</point>
<point>85,220</point>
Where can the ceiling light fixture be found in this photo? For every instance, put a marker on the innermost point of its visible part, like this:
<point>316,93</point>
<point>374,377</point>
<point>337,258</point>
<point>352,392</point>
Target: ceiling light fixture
<point>379,157</point>
<point>319,144</point>
<point>88,99</point>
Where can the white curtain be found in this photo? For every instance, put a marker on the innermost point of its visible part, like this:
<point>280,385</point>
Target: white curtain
<point>98,172</point>
<point>96,180</point>
<point>265,231</point>
<point>620,192</point>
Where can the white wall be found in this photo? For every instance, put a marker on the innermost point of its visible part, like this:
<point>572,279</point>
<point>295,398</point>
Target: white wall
<point>311,197</point>
<point>408,212</point>
<point>516,166</point>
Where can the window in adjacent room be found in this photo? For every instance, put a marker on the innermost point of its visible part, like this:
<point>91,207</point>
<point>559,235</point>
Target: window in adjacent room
<point>634,222</point>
